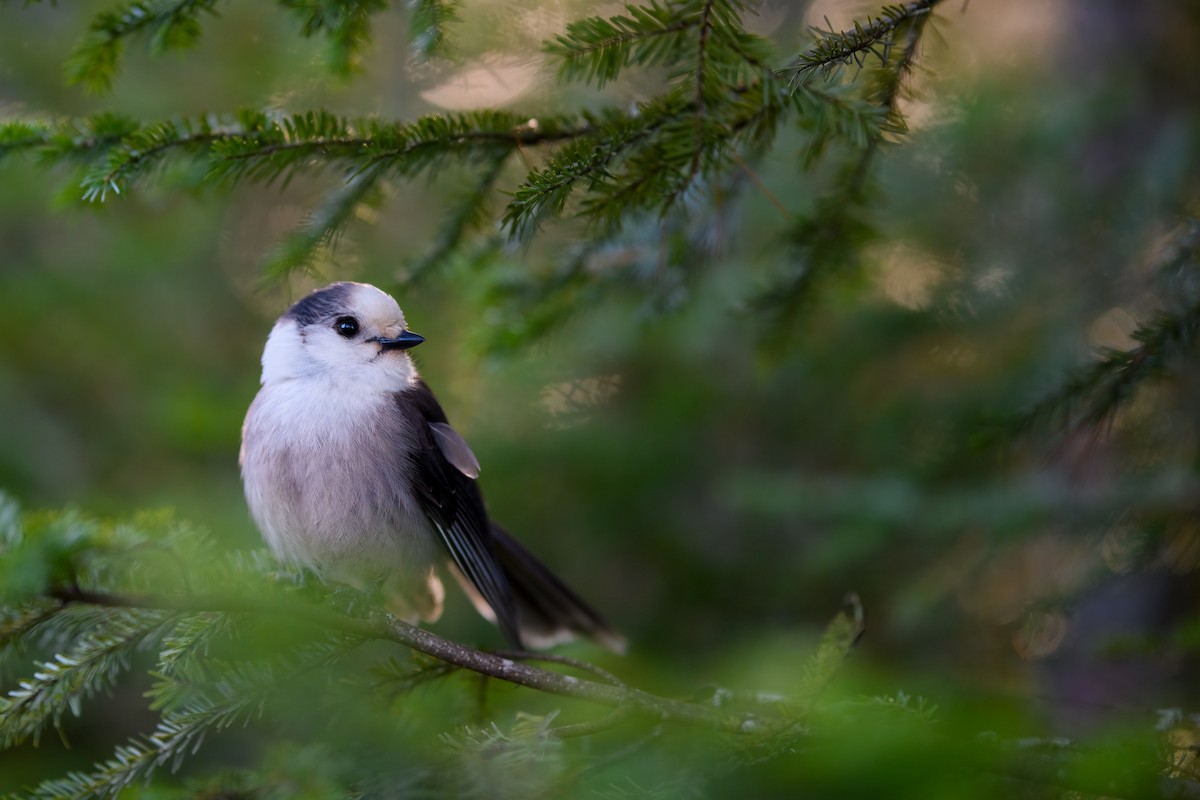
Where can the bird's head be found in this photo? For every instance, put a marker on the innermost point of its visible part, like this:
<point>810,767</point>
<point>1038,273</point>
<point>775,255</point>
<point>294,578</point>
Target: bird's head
<point>349,330</point>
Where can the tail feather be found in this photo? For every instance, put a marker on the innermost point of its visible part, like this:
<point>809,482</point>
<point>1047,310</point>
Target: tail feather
<point>548,612</point>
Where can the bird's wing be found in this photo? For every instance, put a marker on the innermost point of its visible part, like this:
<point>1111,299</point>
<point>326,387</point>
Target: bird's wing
<point>455,449</point>
<point>445,489</point>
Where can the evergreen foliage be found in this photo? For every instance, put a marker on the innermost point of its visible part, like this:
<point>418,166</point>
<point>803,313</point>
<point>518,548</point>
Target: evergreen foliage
<point>725,102</point>
<point>166,24</point>
<point>430,20</point>
<point>875,37</point>
<point>228,657</point>
<point>1094,395</point>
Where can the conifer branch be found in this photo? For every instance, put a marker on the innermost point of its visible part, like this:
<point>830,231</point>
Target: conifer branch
<point>598,49</point>
<point>138,152</point>
<point>18,622</point>
<point>427,26</point>
<point>92,665</point>
<point>1094,395</point>
<point>326,223</point>
<point>17,137</point>
<point>261,147</point>
<point>175,25</point>
<point>823,238</point>
<point>346,25</point>
<point>396,678</point>
<point>269,148</point>
<point>438,135</point>
<point>834,48</point>
<point>75,141</point>
<point>170,24</point>
<point>546,191</point>
<point>423,641</point>
<point>194,705</point>
<point>723,104</point>
<point>701,57</point>
<point>468,215</point>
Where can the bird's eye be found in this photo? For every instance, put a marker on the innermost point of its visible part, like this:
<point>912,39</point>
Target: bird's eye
<point>346,326</point>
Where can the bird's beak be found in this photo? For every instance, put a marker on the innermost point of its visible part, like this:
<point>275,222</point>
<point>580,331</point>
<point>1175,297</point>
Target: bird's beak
<point>405,340</point>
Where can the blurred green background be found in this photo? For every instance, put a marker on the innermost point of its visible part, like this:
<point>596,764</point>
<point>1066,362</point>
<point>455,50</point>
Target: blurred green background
<point>715,497</point>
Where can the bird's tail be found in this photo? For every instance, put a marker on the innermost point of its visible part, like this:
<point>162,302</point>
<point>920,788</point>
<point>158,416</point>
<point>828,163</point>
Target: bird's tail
<point>548,612</point>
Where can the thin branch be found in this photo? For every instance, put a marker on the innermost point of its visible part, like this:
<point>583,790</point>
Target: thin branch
<point>489,664</point>
<point>467,216</point>
<point>99,186</point>
<point>172,26</point>
<point>574,50</point>
<point>838,48</point>
<point>772,198</point>
<point>1106,386</point>
<point>701,56</point>
<point>318,143</point>
<point>518,137</point>
<point>37,137</point>
<point>609,720</point>
<point>554,658</point>
<point>822,236</point>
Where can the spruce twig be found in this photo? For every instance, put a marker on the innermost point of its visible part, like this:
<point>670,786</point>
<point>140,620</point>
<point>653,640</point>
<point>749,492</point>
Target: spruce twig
<point>822,238</point>
<point>427,27</point>
<point>705,27</point>
<point>170,24</point>
<point>1094,394</point>
<point>721,106</point>
<point>838,48</point>
<point>492,665</point>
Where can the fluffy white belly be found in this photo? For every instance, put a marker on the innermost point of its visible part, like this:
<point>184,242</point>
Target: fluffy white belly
<point>326,474</point>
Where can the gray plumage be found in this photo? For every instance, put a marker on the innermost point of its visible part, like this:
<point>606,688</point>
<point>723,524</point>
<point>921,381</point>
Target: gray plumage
<point>351,469</point>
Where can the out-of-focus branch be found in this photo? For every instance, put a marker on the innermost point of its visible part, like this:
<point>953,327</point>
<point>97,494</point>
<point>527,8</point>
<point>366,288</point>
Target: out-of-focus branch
<point>505,667</point>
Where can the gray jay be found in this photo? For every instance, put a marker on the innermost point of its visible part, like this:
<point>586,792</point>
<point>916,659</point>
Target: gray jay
<point>351,469</point>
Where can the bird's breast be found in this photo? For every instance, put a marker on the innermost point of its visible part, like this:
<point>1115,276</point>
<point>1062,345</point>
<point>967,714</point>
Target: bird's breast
<point>327,476</point>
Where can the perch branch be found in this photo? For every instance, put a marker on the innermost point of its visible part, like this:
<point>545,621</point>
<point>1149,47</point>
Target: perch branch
<point>505,667</point>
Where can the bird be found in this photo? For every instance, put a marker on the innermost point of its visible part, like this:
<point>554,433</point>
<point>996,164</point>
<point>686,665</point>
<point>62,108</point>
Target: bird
<point>352,470</point>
